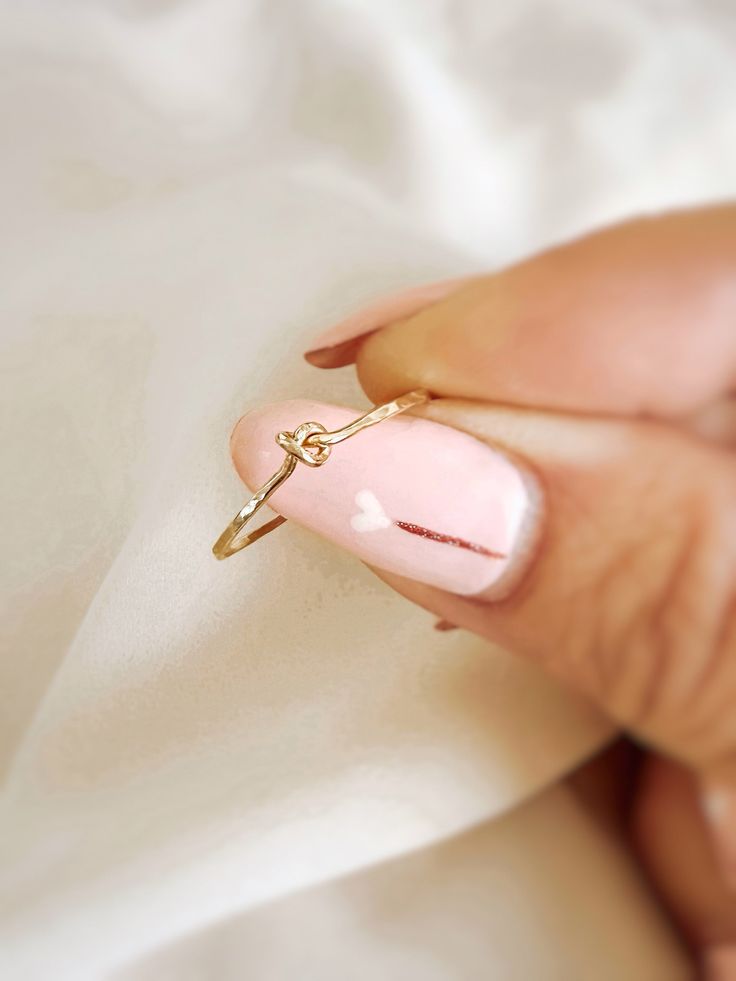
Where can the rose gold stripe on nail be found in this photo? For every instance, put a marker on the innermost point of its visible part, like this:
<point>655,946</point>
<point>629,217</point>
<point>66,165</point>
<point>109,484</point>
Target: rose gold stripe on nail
<point>436,536</point>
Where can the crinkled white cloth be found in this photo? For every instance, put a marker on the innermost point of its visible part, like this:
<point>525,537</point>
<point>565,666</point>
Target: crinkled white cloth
<point>189,190</point>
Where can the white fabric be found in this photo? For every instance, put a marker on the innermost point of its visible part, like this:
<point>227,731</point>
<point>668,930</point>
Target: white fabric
<point>189,191</point>
<point>496,903</point>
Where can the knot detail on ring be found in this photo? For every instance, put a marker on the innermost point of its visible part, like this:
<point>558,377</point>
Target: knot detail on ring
<point>302,445</point>
<point>311,444</point>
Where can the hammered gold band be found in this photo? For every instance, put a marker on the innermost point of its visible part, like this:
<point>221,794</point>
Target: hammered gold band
<point>311,444</point>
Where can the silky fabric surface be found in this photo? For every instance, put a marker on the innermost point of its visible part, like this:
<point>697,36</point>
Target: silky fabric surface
<point>189,192</point>
<point>499,902</point>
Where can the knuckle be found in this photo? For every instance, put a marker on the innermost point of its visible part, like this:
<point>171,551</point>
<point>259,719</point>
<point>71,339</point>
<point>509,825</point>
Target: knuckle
<point>663,640</point>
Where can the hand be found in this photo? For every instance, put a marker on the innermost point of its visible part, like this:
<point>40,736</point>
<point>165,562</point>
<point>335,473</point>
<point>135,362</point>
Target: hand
<point>604,371</point>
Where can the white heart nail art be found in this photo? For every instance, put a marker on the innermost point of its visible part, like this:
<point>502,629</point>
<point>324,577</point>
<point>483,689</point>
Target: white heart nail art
<point>371,516</point>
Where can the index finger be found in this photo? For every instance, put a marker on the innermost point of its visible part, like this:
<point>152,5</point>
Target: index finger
<point>639,319</point>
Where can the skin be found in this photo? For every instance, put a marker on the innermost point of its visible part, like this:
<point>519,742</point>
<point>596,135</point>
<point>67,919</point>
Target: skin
<point>608,366</point>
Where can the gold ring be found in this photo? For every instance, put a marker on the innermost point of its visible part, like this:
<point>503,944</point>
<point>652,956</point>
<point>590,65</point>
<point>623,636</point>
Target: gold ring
<point>310,444</point>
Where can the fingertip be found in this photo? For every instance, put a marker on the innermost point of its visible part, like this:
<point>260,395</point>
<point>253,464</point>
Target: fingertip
<point>337,355</point>
<point>339,344</point>
<point>601,324</point>
<point>320,357</point>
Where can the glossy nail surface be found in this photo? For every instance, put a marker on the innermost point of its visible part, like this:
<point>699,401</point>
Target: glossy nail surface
<point>336,346</point>
<point>409,496</point>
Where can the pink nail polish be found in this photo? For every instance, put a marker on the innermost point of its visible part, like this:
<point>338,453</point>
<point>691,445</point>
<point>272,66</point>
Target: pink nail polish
<point>719,808</point>
<point>379,313</point>
<point>409,496</point>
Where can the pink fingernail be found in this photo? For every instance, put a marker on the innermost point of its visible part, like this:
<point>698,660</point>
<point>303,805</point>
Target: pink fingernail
<point>326,352</point>
<point>719,808</point>
<point>410,496</point>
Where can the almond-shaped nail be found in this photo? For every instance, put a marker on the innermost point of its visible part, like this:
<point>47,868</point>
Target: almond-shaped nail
<point>409,496</point>
<point>719,808</point>
<point>337,345</point>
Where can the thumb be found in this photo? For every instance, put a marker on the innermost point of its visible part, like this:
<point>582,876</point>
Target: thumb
<point>604,346</point>
<point>614,541</point>
<point>609,348</point>
<point>628,593</point>
<point>602,548</point>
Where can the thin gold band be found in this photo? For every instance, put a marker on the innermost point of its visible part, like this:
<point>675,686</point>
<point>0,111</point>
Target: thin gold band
<point>311,444</point>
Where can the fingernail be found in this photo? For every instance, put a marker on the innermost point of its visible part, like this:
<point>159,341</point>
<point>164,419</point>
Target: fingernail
<point>720,964</point>
<point>719,808</point>
<point>409,496</point>
<point>337,345</point>
<point>444,626</point>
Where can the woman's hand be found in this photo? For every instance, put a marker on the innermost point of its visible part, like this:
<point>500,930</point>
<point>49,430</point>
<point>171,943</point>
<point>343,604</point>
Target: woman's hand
<point>605,369</point>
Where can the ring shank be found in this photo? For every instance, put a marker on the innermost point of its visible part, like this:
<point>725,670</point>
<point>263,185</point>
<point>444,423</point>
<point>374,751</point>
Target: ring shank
<point>375,415</point>
<point>233,538</point>
<point>228,543</point>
